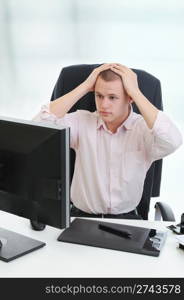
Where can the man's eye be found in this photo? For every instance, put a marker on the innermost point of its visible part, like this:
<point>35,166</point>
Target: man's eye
<point>112,98</point>
<point>99,96</point>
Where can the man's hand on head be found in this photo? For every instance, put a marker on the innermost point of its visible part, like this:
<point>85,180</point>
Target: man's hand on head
<point>91,80</point>
<point>129,79</point>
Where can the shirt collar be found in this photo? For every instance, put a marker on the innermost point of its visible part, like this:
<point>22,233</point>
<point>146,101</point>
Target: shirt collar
<point>127,124</point>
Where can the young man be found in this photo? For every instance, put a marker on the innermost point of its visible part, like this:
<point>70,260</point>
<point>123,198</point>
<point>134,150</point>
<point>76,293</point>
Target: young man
<point>114,146</point>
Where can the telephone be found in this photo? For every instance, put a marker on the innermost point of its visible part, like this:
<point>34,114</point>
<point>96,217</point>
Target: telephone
<point>178,229</point>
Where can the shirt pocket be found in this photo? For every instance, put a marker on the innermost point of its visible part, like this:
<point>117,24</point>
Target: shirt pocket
<point>133,165</point>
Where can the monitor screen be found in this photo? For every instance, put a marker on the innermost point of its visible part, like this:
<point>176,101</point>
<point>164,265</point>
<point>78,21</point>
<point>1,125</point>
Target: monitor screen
<point>34,172</point>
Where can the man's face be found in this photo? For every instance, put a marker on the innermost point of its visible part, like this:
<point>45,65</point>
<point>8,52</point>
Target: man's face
<point>112,102</point>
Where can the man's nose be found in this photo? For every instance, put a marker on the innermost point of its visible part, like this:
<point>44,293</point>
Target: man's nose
<point>105,103</point>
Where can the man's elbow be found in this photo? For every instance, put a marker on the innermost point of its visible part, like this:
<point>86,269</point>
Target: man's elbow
<point>178,142</point>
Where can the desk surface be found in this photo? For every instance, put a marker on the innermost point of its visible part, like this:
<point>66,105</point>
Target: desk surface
<point>58,259</point>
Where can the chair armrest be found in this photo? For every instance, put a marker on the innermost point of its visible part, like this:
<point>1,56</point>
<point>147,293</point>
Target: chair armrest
<point>164,212</point>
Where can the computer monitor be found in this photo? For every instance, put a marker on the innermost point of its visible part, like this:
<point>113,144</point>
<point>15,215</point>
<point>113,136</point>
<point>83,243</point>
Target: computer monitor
<point>34,179</point>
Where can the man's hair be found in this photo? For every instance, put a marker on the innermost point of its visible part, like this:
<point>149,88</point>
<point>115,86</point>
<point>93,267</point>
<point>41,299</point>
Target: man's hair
<point>109,75</point>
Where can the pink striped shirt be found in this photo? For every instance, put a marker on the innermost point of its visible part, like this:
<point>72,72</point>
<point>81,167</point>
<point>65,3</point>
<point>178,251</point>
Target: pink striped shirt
<point>110,168</point>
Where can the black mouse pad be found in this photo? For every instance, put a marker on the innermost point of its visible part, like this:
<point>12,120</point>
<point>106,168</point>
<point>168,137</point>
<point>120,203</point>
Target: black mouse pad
<point>87,232</point>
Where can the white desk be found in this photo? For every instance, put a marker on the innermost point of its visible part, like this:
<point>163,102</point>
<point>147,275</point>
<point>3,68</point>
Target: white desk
<point>58,259</point>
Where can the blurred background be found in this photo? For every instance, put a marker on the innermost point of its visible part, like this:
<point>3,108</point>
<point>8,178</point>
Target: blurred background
<point>38,39</point>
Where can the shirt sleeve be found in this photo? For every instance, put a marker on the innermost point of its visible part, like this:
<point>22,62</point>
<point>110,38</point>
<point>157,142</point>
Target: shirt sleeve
<point>69,120</point>
<point>163,139</point>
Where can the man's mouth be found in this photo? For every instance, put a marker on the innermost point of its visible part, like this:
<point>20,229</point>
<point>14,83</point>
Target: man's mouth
<point>105,113</point>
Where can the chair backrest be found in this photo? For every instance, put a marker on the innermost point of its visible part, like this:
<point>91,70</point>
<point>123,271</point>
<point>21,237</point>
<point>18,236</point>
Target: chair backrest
<point>72,76</point>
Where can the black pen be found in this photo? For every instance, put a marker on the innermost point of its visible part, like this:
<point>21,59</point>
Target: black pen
<point>119,232</point>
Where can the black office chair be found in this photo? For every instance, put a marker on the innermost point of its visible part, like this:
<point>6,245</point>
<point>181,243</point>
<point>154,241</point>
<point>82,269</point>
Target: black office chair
<point>72,76</point>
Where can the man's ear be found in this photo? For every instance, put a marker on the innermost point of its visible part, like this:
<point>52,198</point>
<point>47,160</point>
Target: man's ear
<point>129,99</point>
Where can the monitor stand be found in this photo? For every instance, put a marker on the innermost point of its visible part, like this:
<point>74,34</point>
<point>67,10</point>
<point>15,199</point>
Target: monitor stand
<point>14,245</point>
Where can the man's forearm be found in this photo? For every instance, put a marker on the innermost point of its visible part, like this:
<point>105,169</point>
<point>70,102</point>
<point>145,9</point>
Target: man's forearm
<point>62,105</point>
<point>146,108</point>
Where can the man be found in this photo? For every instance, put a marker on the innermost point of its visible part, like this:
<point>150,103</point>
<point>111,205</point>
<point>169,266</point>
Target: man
<point>114,146</point>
